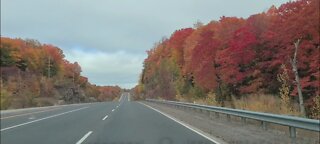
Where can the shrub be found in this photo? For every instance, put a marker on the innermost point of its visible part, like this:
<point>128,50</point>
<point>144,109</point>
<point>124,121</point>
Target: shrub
<point>5,99</point>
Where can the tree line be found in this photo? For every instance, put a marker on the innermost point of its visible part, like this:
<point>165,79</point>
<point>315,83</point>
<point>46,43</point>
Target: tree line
<point>35,74</point>
<point>236,57</point>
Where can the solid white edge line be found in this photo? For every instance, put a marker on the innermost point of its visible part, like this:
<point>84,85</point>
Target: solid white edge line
<point>41,119</point>
<point>84,137</point>
<point>183,124</point>
<point>105,117</point>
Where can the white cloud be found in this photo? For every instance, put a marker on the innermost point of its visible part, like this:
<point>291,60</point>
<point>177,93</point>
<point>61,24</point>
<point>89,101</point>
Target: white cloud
<point>109,37</point>
<point>103,68</point>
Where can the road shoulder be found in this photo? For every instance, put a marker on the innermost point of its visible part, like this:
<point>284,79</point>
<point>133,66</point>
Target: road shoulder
<point>194,129</point>
<point>229,132</point>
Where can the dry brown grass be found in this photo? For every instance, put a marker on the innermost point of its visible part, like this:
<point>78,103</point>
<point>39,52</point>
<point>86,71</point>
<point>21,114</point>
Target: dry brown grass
<point>209,100</point>
<point>255,102</point>
<point>315,109</point>
<point>266,103</point>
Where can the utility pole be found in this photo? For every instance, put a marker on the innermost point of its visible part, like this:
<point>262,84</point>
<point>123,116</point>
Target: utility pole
<point>1,82</point>
<point>49,66</point>
<point>73,78</point>
<point>19,83</point>
<point>295,71</point>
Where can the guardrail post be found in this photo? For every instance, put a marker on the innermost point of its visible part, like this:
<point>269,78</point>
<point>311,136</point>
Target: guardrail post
<point>217,115</point>
<point>185,108</point>
<point>244,120</point>
<point>228,117</point>
<point>264,125</point>
<point>210,115</point>
<point>293,133</point>
<point>203,111</point>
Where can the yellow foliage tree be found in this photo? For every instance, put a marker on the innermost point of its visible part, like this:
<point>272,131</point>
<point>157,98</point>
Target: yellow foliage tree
<point>284,90</point>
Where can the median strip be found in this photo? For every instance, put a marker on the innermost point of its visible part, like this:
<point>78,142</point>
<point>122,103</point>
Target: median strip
<point>41,119</point>
<point>84,137</point>
<point>28,113</point>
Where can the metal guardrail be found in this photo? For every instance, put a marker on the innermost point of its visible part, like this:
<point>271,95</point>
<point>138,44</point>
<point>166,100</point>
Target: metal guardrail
<point>291,121</point>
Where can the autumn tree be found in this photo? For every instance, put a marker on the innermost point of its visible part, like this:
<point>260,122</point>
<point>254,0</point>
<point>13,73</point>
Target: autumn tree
<point>236,56</point>
<point>32,73</point>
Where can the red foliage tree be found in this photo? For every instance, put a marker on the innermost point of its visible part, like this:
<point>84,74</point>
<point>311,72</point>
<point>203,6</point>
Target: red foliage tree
<point>176,43</point>
<point>292,21</point>
<point>202,62</point>
<point>235,61</point>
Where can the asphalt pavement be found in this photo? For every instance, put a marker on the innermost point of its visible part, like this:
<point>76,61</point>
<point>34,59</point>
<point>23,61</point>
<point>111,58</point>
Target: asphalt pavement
<point>118,122</point>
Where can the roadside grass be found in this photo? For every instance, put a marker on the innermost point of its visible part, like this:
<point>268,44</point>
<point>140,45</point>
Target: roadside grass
<point>266,103</point>
<point>254,102</point>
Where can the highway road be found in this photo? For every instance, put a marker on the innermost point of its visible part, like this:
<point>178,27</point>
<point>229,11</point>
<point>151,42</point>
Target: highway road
<point>119,122</point>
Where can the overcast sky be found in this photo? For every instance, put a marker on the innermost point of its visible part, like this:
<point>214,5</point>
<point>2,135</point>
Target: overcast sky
<point>109,37</point>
